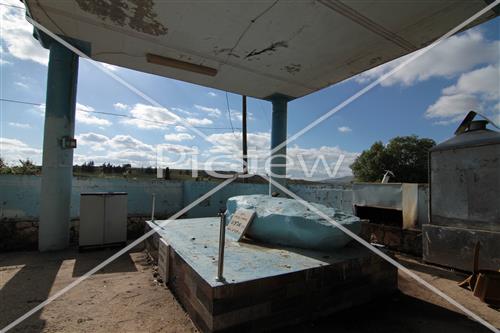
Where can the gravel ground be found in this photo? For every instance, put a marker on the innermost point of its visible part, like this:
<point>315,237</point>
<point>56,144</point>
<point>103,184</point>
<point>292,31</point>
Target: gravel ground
<point>124,297</point>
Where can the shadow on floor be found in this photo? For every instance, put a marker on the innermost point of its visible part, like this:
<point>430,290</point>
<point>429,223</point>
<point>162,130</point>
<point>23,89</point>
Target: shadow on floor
<point>85,261</point>
<point>27,279</point>
<point>398,313</point>
<point>437,271</point>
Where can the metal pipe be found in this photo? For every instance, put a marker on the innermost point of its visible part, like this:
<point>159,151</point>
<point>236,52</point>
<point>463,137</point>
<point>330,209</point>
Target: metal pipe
<point>222,241</point>
<point>244,135</point>
<point>153,208</point>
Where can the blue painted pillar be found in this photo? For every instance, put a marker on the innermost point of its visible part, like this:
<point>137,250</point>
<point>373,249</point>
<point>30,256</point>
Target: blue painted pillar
<point>57,167</point>
<point>278,135</point>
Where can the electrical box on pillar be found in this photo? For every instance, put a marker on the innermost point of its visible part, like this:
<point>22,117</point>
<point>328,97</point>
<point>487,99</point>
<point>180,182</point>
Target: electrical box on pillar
<point>68,142</point>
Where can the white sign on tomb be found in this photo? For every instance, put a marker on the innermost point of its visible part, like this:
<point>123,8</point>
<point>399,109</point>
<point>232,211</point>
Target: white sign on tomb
<point>240,221</point>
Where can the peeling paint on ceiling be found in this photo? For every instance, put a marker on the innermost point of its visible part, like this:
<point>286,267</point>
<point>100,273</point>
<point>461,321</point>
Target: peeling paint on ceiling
<point>136,14</point>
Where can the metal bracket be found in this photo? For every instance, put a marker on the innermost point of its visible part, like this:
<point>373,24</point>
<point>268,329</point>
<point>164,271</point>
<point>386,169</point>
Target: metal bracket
<point>68,142</point>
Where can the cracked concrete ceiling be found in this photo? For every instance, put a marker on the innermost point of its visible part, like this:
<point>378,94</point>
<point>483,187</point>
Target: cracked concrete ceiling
<point>254,48</point>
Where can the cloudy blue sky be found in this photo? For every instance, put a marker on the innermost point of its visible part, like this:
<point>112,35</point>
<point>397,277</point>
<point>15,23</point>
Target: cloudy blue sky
<point>428,98</point>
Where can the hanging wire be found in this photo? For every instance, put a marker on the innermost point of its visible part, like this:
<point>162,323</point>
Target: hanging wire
<point>117,115</point>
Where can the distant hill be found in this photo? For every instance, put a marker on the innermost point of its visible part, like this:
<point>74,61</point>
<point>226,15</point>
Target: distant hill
<point>346,180</point>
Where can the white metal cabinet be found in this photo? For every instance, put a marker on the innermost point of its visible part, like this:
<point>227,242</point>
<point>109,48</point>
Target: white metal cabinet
<point>103,218</point>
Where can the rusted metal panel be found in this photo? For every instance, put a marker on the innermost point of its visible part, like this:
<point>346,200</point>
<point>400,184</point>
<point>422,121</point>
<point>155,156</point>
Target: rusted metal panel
<point>454,247</point>
<point>408,198</point>
<point>464,201</point>
<point>464,187</point>
<point>378,195</point>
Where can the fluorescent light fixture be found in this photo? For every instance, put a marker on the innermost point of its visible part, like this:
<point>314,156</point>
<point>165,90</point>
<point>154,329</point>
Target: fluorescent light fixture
<point>186,66</point>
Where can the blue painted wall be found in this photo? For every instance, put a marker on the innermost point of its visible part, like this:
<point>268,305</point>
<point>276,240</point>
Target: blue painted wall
<point>19,195</point>
<point>212,205</point>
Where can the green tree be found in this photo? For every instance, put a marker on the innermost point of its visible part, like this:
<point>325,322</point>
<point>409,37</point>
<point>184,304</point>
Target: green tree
<point>4,168</point>
<point>27,167</point>
<point>405,156</point>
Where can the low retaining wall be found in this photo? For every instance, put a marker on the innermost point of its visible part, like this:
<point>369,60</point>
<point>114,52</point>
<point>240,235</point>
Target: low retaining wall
<point>23,235</point>
<point>20,195</point>
<point>19,202</point>
<point>19,206</point>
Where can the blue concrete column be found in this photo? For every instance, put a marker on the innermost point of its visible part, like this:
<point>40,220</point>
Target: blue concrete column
<point>278,135</point>
<point>57,167</point>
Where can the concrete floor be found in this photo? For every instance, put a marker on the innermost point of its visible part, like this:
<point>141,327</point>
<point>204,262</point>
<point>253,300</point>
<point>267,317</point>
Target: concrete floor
<point>124,297</point>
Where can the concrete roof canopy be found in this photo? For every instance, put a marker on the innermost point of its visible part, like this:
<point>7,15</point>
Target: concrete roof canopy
<point>253,48</point>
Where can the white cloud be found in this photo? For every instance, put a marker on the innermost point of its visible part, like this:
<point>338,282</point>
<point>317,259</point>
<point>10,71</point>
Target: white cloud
<point>119,149</point>
<point>128,142</point>
<point>94,140</point>
<point>187,113</point>
<point>84,115</point>
<point>460,55</point>
<point>451,57</point>
<point>212,112</point>
<point>322,160</point>
<point>198,122</point>
<point>177,149</point>
<point>39,109</point>
<point>484,81</point>
<point>17,35</point>
<point>13,150</point>
<point>452,108</point>
<point>477,90</point>
<point>21,85</point>
<point>177,137</point>
<point>98,141</point>
<point>224,154</point>
<point>212,94</point>
<point>238,116</point>
<point>180,128</point>
<point>319,163</point>
<point>151,117</point>
<point>121,106</point>
<point>19,125</point>
<point>344,129</point>
<point>2,55</point>
<point>224,143</point>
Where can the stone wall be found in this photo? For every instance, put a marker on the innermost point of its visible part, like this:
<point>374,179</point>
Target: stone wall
<point>23,235</point>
